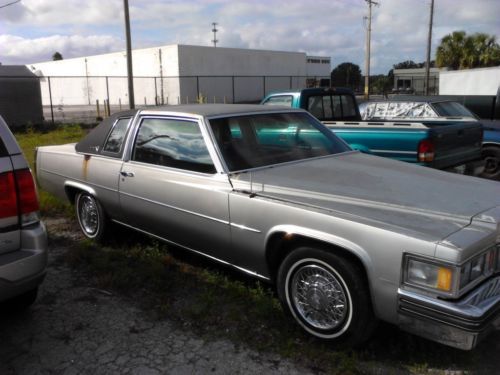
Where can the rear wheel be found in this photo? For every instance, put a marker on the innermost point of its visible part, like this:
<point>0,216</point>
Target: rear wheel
<point>491,156</point>
<point>91,216</point>
<point>327,295</point>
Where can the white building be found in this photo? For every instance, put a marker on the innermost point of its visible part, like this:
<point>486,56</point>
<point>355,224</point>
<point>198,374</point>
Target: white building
<point>482,81</point>
<point>177,74</point>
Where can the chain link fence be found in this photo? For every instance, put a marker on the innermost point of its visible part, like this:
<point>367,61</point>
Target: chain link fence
<point>87,99</point>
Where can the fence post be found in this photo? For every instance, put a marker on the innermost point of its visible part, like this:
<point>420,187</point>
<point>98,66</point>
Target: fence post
<point>264,85</point>
<point>50,97</point>
<point>197,86</point>
<point>107,91</point>
<point>97,107</point>
<point>233,90</point>
<point>290,82</point>
<point>156,93</point>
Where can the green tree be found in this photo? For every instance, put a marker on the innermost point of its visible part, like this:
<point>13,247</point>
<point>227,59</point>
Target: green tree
<point>408,64</point>
<point>380,84</point>
<point>461,51</point>
<point>57,56</point>
<point>347,75</point>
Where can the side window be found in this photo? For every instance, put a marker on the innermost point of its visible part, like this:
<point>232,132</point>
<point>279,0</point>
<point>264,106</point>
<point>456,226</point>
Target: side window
<point>315,106</point>
<point>337,107</point>
<point>285,100</point>
<point>116,136</point>
<point>348,106</point>
<point>172,143</point>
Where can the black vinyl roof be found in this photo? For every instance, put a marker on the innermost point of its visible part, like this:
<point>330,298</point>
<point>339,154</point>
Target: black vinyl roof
<point>93,143</point>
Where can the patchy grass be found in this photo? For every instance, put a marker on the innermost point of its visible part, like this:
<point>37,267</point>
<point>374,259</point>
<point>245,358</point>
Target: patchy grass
<point>29,140</point>
<point>216,302</point>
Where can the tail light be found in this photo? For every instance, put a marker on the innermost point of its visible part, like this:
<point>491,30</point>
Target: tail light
<point>426,151</point>
<point>18,196</point>
<point>8,195</point>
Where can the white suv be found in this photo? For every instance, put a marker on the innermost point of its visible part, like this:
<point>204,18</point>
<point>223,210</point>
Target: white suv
<point>23,239</point>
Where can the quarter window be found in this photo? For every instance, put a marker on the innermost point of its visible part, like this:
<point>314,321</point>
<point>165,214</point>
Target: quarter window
<point>116,136</point>
<point>172,143</point>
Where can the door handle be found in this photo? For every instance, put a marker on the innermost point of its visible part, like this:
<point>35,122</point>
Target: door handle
<point>127,174</point>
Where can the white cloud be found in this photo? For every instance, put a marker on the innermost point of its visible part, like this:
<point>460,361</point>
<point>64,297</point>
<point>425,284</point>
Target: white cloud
<point>19,50</point>
<point>322,27</point>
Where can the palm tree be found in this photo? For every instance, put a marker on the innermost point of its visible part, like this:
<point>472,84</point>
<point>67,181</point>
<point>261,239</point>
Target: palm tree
<point>460,51</point>
<point>449,52</point>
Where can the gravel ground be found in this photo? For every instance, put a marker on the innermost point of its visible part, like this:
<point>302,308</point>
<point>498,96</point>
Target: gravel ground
<point>78,329</point>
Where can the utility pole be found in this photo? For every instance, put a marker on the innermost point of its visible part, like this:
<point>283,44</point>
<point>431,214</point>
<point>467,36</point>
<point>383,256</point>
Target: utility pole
<point>130,74</point>
<point>367,51</point>
<point>214,30</point>
<point>428,59</point>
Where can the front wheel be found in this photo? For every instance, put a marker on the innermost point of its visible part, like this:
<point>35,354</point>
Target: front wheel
<point>491,156</point>
<point>91,216</point>
<point>327,295</point>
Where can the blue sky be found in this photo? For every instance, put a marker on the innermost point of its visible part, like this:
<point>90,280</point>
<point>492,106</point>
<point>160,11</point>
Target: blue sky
<point>32,30</point>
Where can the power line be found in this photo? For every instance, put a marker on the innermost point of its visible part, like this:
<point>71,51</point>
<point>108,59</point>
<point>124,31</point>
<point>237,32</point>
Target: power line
<point>6,5</point>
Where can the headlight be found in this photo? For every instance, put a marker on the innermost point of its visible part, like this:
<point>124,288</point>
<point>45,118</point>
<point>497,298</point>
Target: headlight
<point>430,275</point>
<point>450,280</point>
<point>480,267</point>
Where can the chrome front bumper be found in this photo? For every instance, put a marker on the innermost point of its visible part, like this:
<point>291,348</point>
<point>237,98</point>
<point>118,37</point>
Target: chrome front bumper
<point>460,324</point>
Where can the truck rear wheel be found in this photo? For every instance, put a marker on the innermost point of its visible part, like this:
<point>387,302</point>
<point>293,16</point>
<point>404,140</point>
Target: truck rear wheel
<point>327,295</point>
<point>491,156</point>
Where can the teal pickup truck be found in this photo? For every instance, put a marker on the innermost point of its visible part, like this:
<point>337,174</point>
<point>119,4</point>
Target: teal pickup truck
<point>447,145</point>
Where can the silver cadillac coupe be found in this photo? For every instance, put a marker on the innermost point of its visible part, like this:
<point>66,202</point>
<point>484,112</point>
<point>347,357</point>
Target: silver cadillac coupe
<point>347,238</point>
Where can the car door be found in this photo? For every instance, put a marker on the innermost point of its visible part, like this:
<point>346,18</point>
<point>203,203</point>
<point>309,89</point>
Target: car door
<point>170,186</point>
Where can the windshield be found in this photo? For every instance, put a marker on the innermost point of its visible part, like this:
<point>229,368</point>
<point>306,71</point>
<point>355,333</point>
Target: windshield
<point>265,139</point>
<point>452,109</point>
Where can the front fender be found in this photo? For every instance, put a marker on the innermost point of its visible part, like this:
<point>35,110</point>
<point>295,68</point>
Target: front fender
<point>327,238</point>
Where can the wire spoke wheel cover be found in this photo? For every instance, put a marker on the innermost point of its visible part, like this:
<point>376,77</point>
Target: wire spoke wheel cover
<point>319,297</point>
<point>88,215</point>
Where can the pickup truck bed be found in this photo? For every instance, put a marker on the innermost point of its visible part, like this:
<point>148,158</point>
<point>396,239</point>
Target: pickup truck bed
<point>446,145</point>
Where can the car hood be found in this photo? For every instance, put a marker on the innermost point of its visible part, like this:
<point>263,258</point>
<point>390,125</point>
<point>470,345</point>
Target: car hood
<point>376,191</point>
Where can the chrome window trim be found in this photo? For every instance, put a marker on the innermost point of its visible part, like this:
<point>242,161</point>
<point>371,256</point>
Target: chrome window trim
<point>125,137</point>
<point>193,119</point>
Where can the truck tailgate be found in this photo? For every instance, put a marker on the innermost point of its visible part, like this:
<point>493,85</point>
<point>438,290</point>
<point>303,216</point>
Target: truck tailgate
<point>455,143</point>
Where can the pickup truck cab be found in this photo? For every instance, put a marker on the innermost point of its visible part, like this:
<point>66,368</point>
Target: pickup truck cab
<point>448,145</point>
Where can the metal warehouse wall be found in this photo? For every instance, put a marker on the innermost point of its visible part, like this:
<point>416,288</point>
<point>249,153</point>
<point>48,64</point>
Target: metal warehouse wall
<point>174,74</point>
